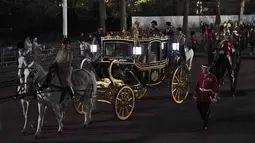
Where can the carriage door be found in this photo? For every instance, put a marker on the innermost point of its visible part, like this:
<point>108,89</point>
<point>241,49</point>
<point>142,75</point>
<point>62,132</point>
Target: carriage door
<point>155,60</point>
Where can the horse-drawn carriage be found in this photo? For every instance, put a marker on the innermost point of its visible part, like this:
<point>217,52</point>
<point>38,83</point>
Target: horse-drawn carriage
<point>128,66</point>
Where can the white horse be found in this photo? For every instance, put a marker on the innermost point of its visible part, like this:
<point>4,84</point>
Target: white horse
<point>189,57</point>
<point>84,47</point>
<point>85,89</point>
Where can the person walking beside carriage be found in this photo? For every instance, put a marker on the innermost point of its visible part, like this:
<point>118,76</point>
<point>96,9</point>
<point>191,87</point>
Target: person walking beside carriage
<point>193,42</point>
<point>181,39</point>
<point>169,32</point>
<point>210,40</point>
<point>206,92</point>
<point>62,63</point>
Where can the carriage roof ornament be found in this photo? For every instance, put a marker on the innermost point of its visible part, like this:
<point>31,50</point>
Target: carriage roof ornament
<point>135,33</point>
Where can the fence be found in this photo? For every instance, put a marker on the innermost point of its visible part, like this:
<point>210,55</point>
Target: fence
<point>9,65</point>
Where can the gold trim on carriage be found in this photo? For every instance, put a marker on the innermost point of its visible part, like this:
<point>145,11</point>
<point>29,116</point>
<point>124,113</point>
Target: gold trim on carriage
<point>139,56</point>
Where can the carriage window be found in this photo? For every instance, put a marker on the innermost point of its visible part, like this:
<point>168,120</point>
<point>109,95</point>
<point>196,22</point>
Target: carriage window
<point>144,57</point>
<point>118,49</point>
<point>155,51</point>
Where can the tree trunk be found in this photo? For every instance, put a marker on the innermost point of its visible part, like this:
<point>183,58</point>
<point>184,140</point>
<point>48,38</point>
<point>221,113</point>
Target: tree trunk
<point>65,18</point>
<point>102,15</point>
<point>241,11</point>
<point>185,17</point>
<point>123,14</point>
<point>218,19</point>
<point>178,7</point>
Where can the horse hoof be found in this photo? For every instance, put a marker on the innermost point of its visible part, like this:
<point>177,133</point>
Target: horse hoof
<point>60,132</point>
<point>36,137</point>
<point>24,133</point>
<point>85,125</point>
<point>90,123</point>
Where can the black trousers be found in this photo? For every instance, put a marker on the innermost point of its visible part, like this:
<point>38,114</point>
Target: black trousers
<point>182,52</point>
<point>210,53</point>
<point>204,110</point>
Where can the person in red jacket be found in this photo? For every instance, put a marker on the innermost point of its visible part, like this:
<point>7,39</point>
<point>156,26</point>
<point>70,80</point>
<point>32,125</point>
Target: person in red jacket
<point>206,91</point>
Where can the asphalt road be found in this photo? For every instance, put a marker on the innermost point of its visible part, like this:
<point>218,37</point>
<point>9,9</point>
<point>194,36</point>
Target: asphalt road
<point>156,119</point>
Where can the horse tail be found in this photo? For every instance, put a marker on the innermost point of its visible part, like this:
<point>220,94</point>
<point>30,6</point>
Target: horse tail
<point>94,84</point>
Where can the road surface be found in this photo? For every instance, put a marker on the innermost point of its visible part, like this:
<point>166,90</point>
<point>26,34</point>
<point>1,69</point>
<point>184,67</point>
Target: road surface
<point>156,119</point>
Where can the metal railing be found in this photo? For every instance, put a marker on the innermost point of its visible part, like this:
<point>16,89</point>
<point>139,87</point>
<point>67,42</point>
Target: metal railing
<point>9,63</point>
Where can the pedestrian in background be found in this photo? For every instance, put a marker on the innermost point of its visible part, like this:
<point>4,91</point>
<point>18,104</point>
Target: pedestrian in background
<point>193,42</point>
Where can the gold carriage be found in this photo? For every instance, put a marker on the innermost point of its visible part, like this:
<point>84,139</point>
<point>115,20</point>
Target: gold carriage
<point>143,62</point>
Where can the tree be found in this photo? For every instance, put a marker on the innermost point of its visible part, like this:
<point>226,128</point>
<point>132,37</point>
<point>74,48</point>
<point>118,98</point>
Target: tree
<point>218,19</point>
<point>241,11</point>
<point>242,8</point>
<point>102,14</point>
<point>179,4</point>
<point>123,14</point>
<point>185,17</point>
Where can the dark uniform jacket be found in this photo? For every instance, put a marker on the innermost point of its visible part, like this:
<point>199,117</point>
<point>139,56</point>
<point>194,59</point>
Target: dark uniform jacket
<point>206,87</point>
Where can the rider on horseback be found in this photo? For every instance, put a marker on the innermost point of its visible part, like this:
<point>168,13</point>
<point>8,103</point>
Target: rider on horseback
<point>62,62</point>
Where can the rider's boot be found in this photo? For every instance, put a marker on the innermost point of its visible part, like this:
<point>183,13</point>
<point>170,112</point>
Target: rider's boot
<point>67,90</point>
<point>49,76</point>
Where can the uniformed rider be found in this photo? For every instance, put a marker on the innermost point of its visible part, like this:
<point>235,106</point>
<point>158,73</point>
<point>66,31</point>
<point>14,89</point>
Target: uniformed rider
<point>63,61</point>
<point>206,91</point>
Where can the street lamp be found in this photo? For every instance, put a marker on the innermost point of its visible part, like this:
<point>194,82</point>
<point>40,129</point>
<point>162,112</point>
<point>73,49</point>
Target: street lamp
<point>64,5</point>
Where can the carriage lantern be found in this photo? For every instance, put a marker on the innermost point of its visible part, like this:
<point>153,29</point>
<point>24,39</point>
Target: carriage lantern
<point>175,46</point>
<point>162,46</point>
<point>137,50</point>
<point>93,48</point>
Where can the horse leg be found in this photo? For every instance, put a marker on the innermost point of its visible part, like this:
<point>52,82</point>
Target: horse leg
<point>88,112</point>
<point>58,112</point>
<point>44,123</point>
<point>231,76</point>
<point>190,61</point>
<point>25,106</point>
<point>41,111</point>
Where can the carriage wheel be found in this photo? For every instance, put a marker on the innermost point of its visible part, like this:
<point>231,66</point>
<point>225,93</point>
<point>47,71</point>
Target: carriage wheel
<point>78,105</point>
<point>180,84</point>
<point>124,103</point>
<point>141,93</point>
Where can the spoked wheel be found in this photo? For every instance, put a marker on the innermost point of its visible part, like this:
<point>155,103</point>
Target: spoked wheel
<point>124,103</point>
<point>78,105</point>
<point>141,92</point>
<point>180,84</point>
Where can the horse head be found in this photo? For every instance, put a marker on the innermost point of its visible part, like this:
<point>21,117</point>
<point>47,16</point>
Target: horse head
<point>34,73</point>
